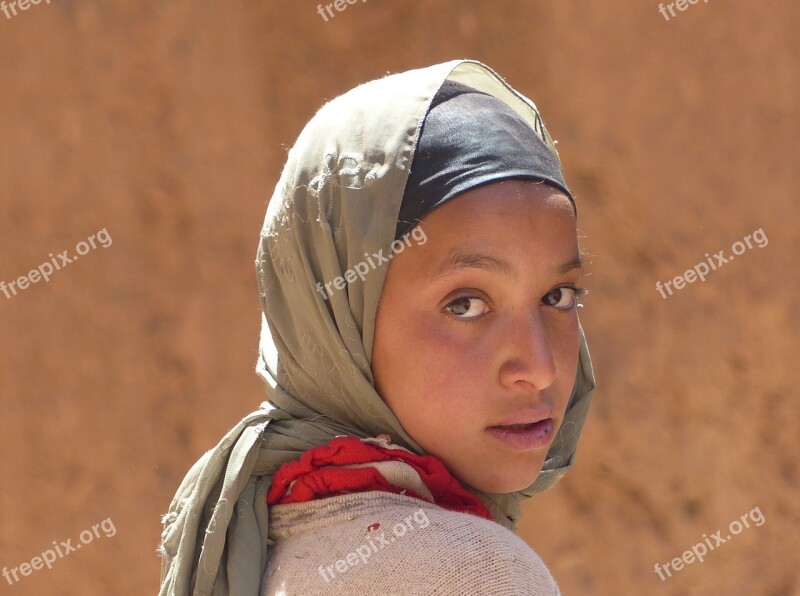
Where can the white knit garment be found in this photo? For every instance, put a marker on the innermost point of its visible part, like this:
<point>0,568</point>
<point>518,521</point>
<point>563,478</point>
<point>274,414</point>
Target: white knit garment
<point>383,543</point>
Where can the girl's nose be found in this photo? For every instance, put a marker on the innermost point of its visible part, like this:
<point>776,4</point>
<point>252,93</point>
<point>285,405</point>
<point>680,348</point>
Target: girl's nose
<point>529,357</point>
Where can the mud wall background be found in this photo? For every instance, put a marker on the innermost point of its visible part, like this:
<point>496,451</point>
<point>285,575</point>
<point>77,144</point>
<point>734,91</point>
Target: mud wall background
<point>166,124</point>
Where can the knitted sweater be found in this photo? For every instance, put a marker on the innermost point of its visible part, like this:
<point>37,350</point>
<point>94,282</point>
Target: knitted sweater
<point>383,543</point>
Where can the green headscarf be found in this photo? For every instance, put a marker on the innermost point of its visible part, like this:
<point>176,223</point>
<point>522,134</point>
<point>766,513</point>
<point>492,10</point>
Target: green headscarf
<point>335,205</point>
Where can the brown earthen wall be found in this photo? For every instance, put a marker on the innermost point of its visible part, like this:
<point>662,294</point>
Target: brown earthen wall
<point>166,124</point>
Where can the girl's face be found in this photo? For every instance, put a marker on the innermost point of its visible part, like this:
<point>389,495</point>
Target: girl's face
<point>477,329</point>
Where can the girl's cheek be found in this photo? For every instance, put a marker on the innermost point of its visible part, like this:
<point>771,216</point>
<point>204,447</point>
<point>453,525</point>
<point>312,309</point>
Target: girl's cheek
<point>438,336</point>
<point>463,353</point>
<point>563,331</point>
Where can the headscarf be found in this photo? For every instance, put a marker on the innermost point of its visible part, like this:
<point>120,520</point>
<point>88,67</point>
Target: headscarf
<point>334,208</point>
<point>469,139</point>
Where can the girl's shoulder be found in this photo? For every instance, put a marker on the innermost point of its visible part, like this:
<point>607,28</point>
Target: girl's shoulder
<point>379,542</point>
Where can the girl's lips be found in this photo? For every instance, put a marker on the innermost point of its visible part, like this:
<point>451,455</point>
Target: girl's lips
<point>535,436</point>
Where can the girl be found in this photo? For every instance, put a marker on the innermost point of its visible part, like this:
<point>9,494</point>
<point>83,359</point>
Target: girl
<point>425,366</point>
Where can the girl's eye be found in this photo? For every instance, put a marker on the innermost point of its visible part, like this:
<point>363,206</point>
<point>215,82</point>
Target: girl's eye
<point>467,307</point>
<point>563,298</point>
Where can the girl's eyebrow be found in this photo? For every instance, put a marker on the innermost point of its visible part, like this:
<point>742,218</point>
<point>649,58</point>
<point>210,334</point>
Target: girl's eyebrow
<point>458,260</point>
<point>576,263</point>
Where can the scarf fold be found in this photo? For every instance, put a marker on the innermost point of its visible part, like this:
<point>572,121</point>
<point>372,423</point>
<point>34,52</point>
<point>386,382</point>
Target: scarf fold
<point>338,468</point>
<point>336,203</point>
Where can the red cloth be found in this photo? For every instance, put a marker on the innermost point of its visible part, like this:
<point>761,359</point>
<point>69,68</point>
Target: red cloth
<point>311,482</point>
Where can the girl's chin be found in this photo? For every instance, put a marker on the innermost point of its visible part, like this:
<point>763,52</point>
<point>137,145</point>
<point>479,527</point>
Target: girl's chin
<point>498,475</point>
<point>509,484</point>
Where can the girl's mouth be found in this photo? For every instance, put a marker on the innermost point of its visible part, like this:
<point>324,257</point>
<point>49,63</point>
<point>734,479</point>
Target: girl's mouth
<point>525,437</point>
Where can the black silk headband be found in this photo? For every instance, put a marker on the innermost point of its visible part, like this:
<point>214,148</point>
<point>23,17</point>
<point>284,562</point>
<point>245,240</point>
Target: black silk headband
<point>468,139</point>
